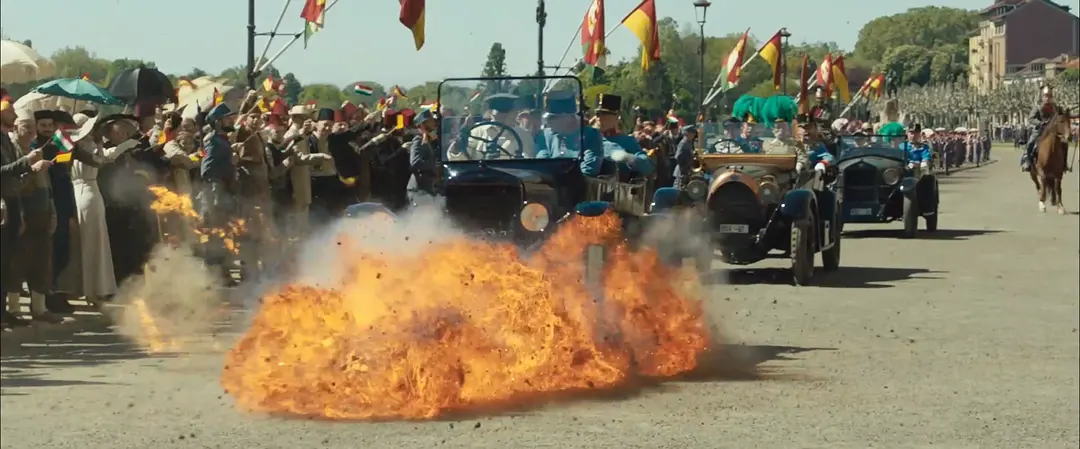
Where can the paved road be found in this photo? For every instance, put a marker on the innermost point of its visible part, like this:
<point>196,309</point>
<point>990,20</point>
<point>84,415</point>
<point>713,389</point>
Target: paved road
<point>965,339</point>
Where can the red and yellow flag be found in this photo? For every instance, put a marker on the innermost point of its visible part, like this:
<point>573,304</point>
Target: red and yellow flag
<point>771,52</point>
<point>398,92</point>
<point>877,84</point>
<point>642,22</point>
<point>824,75</point>
<point>734,61</point>
<point>314,15</point>
<point>86,77</point>
<point>412,16</point>
<point>592,36</point>
<point>839,76</point>
<point>218,98</point>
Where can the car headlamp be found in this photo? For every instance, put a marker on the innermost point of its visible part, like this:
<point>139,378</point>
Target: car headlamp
<point>769,193</point>
<point>696,189</point>
<point>534,217</point>
<point>891,176</point>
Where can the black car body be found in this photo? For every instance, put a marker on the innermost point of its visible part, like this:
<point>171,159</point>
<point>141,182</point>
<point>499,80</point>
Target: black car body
<point>878,183</point>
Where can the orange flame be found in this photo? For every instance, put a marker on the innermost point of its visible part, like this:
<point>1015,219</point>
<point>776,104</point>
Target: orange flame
<point>480,327</point>
<point>169,202</point>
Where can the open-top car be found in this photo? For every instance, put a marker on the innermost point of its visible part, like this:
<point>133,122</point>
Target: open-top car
<point>758,206</point>
<point>879,182</point>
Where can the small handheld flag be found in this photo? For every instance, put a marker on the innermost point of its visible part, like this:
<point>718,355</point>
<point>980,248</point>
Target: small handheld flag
<point>399,93</point>
<point>64,146</point>
<point>361,89</point>
<point>86,77</point>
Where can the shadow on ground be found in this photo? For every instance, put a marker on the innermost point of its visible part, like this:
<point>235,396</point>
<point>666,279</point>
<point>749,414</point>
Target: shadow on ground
<point>31,354</point>
<point>940,234</point>
<point>845,277</point>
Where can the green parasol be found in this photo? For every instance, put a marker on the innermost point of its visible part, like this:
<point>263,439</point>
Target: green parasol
<point>892,129</point>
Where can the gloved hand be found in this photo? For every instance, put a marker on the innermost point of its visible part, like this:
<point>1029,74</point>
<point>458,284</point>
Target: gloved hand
<point>799,167</point>
<point>620,156</point>
<point>820,167</point>
<point>924,165</point>
<point>911,165</point>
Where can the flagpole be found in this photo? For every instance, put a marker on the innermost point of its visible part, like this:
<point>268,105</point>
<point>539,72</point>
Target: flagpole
<point>277,26</point>
<point>548,84</point>
<point>855,99</point>
<point>295,38</point>
<point>609,33</point>
<point>712,90</point>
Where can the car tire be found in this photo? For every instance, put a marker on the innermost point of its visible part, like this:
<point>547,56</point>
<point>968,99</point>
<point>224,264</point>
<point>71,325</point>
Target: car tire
<point>910,218</point>
<point>830,258</point>
<point>802,254</point>
<point>932,220</point>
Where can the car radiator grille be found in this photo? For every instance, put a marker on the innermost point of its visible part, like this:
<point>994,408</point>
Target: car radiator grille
<point>736,204</point>
<point>861,184</point>
<point>483,207</point>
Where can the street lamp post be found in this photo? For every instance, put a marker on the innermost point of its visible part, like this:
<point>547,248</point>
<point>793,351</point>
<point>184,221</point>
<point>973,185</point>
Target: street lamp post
<point>783,58</point>
<point>701,8</point>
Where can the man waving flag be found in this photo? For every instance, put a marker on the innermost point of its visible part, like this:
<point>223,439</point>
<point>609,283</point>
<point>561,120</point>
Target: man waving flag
<point>412,16</point>
<point>642,22</point>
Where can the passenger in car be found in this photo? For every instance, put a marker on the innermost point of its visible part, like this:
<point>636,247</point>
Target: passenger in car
<point>620,148</point>
<point>563,136</point>
<point>503,108</point>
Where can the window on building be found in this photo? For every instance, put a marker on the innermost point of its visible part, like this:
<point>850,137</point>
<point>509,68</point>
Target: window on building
<point>999,29</point>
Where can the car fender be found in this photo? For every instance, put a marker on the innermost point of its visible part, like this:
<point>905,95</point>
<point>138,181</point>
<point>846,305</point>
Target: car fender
<point>664,199</point>
<point>797,205</point>
<point>927,194</point>
<point>593,208</point>
<point>368,209</point>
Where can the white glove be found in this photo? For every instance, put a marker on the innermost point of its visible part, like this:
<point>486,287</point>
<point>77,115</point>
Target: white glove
<point>620,156</point>
<point>820,167</point>
<point>799,167</point>
<point>910,165</point>
<point>924,165</point>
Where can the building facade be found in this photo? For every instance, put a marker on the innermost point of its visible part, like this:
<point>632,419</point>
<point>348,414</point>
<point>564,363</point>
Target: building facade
<point>1015,33</point>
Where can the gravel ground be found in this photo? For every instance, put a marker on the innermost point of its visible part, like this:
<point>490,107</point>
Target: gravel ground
<point>964,339</point>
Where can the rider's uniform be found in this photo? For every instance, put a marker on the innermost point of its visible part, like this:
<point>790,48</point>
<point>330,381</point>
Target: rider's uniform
<point>1041,116</point>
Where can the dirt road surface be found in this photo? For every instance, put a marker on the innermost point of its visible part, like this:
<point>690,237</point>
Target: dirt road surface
<point>964,339</point>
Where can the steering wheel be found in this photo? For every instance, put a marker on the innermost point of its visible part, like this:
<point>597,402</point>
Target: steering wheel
<point>491,145</point>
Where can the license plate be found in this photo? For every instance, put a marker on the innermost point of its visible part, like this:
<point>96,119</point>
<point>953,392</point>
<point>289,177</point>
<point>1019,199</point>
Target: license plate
<point>862,212</point>
<point>733,229</point>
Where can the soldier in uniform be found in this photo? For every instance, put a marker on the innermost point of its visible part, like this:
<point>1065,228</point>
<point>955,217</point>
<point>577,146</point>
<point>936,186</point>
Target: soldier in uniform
<point>216,172</point>
<point>619,148</point>
<point>779,110</point>
<point>530,119</point>
<point>918,152</point>
<point>1041,116</point>
<point>810,146</point>
<point>502,108</point>
<point>423,150</point>
<point>684,156</point>
<point>564,136</point>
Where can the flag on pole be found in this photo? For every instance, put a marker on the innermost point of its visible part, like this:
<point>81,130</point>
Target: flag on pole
<point>642,22</point>
<point>839,74</point>
<point>804,86</point>
<point>733,64</point>
<point>270,84</point>
<point>412,16</point>
<point>314,15</point>
<point>64,146</point>
<point>592,36</point>
<point>877,84</point>
<point>824,75</point>
<point>218,98</point>
<point>361,89</point>
<point>86,77</point>
<point>476,95</point>
<point>771,52</point>
<point>398,92</point>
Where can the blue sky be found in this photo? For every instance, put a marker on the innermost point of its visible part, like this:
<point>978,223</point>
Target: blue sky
<point>210,34</point>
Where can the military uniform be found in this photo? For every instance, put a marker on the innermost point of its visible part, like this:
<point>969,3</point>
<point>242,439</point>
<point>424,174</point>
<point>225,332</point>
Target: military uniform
<point>555,144</point>
<point>492,141</point>
<point>1041,115</point>
<point>684,157</point>
<point>621,152</point>
<point>423,151</point>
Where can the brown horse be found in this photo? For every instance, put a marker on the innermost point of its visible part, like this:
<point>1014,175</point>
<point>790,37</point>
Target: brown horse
<point>1050,161</point>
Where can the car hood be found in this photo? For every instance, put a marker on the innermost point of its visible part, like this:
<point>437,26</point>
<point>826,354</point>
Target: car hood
<point>484,175</point>
<point>877,161</point>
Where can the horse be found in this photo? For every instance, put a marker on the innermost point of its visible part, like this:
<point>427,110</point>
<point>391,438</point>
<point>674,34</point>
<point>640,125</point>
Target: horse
<point>1050,161</point>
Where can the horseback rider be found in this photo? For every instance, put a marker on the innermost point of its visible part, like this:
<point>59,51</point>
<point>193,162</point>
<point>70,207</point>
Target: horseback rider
<point>1040,117</point>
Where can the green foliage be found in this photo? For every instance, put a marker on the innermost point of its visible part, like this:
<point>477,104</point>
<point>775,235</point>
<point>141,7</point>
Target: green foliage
<point>929,27</point>
<point>292,89</point>
<point>1070,76</point>
<point>495,66</point>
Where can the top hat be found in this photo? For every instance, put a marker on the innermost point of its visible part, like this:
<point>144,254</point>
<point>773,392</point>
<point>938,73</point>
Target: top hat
<point>609,103</point>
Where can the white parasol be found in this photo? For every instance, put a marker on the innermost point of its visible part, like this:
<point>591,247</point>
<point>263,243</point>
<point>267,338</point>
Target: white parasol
<point>22,64</point>
<point>927,132</point>
<point>960,130</point>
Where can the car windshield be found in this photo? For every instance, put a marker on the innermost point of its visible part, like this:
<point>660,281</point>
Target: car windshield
<point>861,145</point>
<point>746,138</point>
<point>506,118</point>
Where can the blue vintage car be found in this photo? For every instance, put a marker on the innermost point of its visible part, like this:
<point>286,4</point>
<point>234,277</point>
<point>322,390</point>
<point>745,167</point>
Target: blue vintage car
<point>879,182</point>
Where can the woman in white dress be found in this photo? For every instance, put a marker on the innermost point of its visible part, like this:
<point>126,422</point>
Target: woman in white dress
<point>98,278</point>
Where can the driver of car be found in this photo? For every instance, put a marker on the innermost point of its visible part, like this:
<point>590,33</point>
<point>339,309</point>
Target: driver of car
<point>917,150</point>
<point>562,138</point>
<point>497,140</point>
<point>620,148</point>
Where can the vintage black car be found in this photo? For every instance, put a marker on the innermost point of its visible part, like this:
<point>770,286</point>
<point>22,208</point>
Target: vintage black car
<point>879,182</point>
<point>492,184</point>
<point>756,206</point>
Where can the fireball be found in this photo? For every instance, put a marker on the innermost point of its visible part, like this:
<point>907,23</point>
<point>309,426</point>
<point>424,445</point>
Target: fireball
<point>466,326</point>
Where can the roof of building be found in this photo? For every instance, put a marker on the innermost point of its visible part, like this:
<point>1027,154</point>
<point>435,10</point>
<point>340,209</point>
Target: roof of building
<point>986,12</point>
